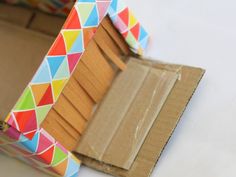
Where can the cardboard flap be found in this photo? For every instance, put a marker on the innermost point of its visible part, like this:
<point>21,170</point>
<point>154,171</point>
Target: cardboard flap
<point>163,126</point>
<point>126,115</point>
<point>22,51</point>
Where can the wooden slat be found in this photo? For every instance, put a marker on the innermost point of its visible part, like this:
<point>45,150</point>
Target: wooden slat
<point>98,65</point>
<point>105,43</point>
<point>55,125</point>
<point>79,98</point>
<point>102,34</point>
<point>70,114</point>
<point>115,35</point>
<point>89,82</point>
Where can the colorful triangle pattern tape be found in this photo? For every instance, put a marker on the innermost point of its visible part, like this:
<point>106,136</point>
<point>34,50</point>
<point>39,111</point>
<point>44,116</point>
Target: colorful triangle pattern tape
<point>25,139</point>
<point>42,152</point>
<point>60,61</point>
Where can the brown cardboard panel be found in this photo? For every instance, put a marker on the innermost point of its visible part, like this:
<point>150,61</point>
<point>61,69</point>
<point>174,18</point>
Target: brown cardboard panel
<point>130,129</point>
<point>47,24</point>
<point>104,123</point>
<point>163,126</point>
<point>16,15</point>
<point>18,67</point>
<point>139,118</point>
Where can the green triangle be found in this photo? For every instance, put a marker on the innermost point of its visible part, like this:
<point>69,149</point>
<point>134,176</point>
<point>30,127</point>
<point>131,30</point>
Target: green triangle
<point>59,156</point>
<point>26,101</point>
<point>41,113</point>
<point>84,11</point>
<point>63,71</point>
<point>131,39</point>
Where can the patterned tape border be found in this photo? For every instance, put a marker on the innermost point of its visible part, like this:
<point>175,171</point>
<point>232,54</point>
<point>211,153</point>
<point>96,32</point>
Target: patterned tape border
<point>42,152</point>
<point>25,139</point>
<point>58,65</point>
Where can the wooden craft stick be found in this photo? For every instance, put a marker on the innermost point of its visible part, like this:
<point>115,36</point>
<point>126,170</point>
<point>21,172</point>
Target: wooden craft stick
<point>115,35</point>
<point>79,98</point>
<point>102,40</point>
<point>97,64</point>
<point>89,82</point>
<point>52,126</point>
<point>70,114</point>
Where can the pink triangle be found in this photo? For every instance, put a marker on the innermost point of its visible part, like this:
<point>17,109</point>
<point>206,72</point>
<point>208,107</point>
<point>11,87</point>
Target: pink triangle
<point>73,60</point>
<point>11,121</point>
<point>43,143</point>
<point>119,24</point>
<point>13,133</point>
<point>102,9</point>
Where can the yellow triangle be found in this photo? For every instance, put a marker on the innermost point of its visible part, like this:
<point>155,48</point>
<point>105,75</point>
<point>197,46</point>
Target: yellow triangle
<point>132,20</point>
<point>8,117</point>
<point>58,86</point>
<point>70,38</point>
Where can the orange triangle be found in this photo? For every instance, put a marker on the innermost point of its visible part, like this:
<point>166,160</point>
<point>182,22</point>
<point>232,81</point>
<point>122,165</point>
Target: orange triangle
<point>61,167</point>
<point>58,47</point>
<point>88,34</point>
<point>39,91</point>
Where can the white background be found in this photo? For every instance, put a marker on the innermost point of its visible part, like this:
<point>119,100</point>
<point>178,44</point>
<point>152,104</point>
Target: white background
<point>199,33</point>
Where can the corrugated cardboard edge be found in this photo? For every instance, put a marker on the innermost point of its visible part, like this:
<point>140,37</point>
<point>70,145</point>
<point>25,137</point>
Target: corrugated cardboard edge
<point>164,125</point>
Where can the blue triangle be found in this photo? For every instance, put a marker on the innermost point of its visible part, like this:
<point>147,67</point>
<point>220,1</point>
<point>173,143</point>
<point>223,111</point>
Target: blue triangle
<point>93,18</point>
<point>55,63</point>
<point>43,74</point>
<point>78,45</point>
<point>72,167</point>
<point>75,175</point>
<point>31,145</point>
<point>111,12</point>
<point>114,5</point>
<point>142,34</point>
<point>144,43</point>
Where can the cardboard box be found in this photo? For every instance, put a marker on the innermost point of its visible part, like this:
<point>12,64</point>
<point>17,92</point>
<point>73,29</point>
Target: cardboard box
<point>109,107</point>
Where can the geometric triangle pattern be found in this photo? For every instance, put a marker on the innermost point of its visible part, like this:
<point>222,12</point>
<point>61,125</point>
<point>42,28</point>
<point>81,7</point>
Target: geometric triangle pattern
<point>58,65</point>
<point>42,152</point>
<point>121,16</point>
<point>130,28</point>
<point>51,77</point>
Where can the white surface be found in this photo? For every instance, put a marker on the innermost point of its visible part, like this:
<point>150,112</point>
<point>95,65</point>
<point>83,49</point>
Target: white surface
<point>199,33</point>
